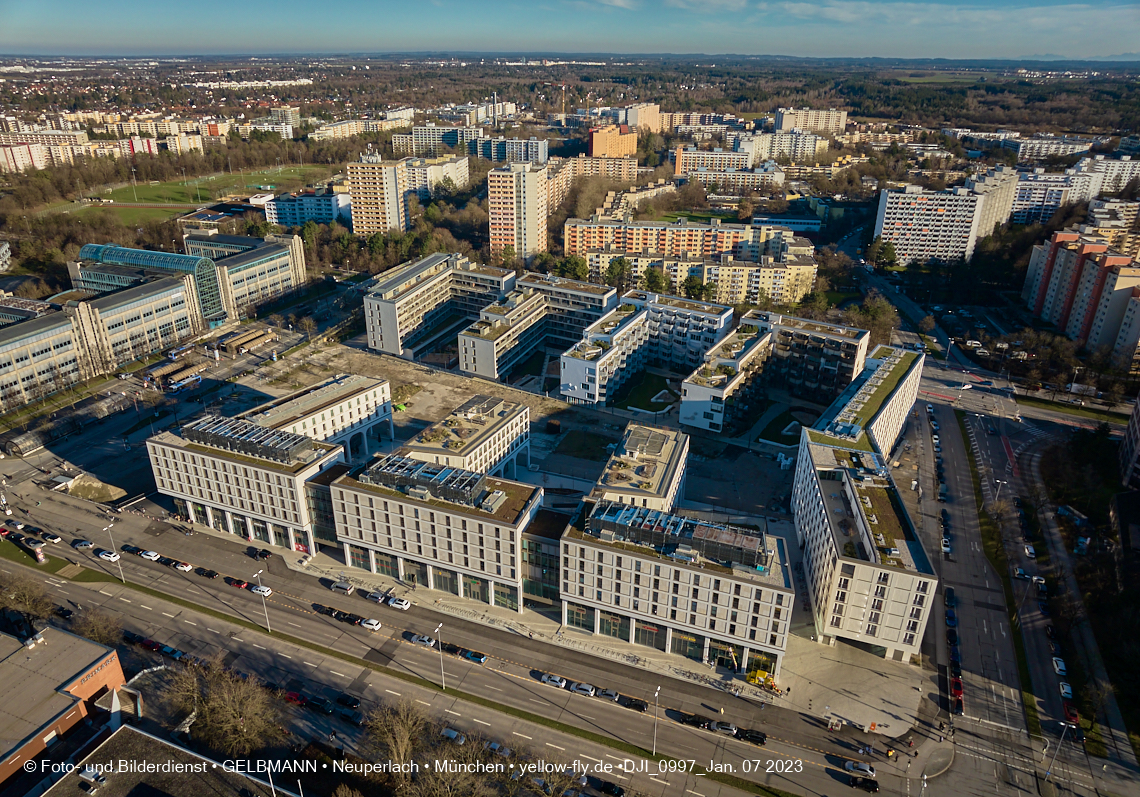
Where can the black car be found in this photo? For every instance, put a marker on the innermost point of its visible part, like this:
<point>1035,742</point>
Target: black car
<point>695,719</point>
<point>637,705</point>
<point>64,612</point>
<point>959,708</point>
<point>352,619</point>
<point>1017,501</point>
<point>352,717</point>
<point>167,561</point>
<point>749,735</point>
<point>951,637</point>
<point>338,615</point>
<point>321,704</point>
<point>955,656</point>
<point>1050,632</point>
<point>16,536</point>
<point>611,788</point>
<point>132,638</point>
<point>945,515</point>
<point>345,699</point>
<point>956,669</point>
<point>866,784</point>
<point>130,549</point>
<point>1044,607</point>
<point>264,554</point>
<point>951,598</point>
<point>322,609</point>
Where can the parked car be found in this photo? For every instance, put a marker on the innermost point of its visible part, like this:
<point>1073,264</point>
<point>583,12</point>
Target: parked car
<point>204,573</point>
<point>553,680</point>
<point>950,598</point>
<point>350,701</point>
<point>150,556</point>
<point>952,637</point>
<point>151,645</point>
<point>82,545</point>
<point>951,619</point>
<point>869,785</point>
<point>959,707</point>
<point>1050,632</point>
<point>453,735</point>
<point>497,749</point>
<point>945,545</point>
<point>696,720</point>
<point>130,637</point>
<point>63,612</point>
<point>755,737</point>
<point>724,727</point>
<point>1059,666</point>
<point>607,694</point>
<point>321,704</point>
<point>375,597</point>
<point>637,704</point>
<point>1071,713</point>
<point>1020,573</point>
<point>370,625</point>
<point>955,687</point>
<point>184,567</point>
<point>583,689</point>
<point>399,603</point>
<point>166,561</point>
<point>423,639</point>
<point>264,554</point>
<point>296,698</point>
<point>475,656</point>
<point>54,539</point>
<point>264,592</point>
<point>237,582</point>
<point>1032,554</point>
<point>1065,690</point>
<point>352,619</point>
<point>352,717</point>
<point>109,556</point>
<point>862,767</point>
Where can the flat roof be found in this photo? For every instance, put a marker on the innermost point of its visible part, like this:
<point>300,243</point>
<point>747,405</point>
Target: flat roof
<point>548,524</point>
<point>517,497</point>
<point>136,292</point>
<point>467,427</point>
<point>690,305</point>
<point>251,256</point>
<point>740,344</point>
<point>200,777</point>
<point>644,462</point>
<point>318,452</point>
<point>32,681</point>
<point>563,283</point>
<point>311,400</point>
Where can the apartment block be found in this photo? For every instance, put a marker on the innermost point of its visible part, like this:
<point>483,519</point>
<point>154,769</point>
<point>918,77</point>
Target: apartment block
<point>432,140</point>
<point>379,190</point>
<point>1043,146</point>
<point>870,579</point>
<point>236,476</point>
<point>710,592</point>
<point>930,225</point>
<point>616,168</point>
<point>321,206</point>
<point>1039,195</point>
<point>671,239</point>
<point>831,122</point>
<point>443,528</point>
<point>813,358</point>
<point>718,395</point>
<point>733,182</point>
<point>404,309</point>
<point>612,141</point>
<point>646,328</point>
<point>1118,221</point>
<point>22,157</point>
<point>542,312</point>
<point>691,159</point>
<point>644,116</point>
<point>646,469</point>
<point>349,128</point>
<point>47,137</point>
<point>517,203</point>
<point>511,150</point>
<point>998,187</point>
<point>1130,451</point>
<point>346,410</point>
<point>286,114</point>
<point>486,435</point>
<point>796,145</point>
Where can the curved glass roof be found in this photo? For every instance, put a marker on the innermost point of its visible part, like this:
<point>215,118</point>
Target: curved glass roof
<point>203,268</point>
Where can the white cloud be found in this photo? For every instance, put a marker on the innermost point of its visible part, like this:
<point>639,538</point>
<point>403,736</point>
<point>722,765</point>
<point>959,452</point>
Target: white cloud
<point>709,5</point>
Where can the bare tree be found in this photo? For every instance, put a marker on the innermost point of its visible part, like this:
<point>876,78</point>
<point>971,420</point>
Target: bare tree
<point>926,325</point>
<point>399,732</point>
<point>28,595</point>
<point>277,320</point>
<point>98,627</point>
<point>232,715</point>
<point>464,781</point>
<point>308,326</point>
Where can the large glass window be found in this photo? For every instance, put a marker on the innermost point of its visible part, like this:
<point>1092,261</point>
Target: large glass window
<point>689,645</point>
<point>358,557</point>
<point>445,580</point>
<point>386,564</point>
<point>415,573</point>
<point>614,625</point>
<point>580,617</point>
<point>507,597</point>
<point>650,635</point>
<point>476,589</point>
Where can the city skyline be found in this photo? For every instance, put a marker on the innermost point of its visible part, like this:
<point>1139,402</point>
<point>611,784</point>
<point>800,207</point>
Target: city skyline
<point>832,28</point>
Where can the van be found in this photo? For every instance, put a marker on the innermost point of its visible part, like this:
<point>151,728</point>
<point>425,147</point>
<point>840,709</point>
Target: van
<point>343,587</point>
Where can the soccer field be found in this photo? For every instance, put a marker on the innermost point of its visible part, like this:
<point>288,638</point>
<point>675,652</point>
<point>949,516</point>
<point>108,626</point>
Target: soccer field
<point>209,188</point>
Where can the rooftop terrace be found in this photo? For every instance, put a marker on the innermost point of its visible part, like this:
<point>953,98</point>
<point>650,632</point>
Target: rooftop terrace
<point>644,462</point>
<point>468,426</point>
<point>726,359</point>
<point>289,409</point>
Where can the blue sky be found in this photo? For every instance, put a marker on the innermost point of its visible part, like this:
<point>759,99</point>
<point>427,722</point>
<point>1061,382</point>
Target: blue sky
<point>814,28</point>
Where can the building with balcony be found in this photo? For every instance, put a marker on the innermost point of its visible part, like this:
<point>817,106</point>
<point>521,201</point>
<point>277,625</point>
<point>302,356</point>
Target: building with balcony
<point>447,529</point>
<point>720,394</point>
<point>239,477</point>
<point>831,121</point>
<point>517,206</point>
<point>414,303</point>
<point>812,358</point>
<point>870,579</point>
<point>485,435</point>
<point>321,206</point>
<point>646,328</point>
<point>613,141</point>
<point>646,469</point>
<point>707,591</point>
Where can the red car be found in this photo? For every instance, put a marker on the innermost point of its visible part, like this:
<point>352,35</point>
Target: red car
<point>239,584</point>
<point>1071,713</point>
<point>296,698</point>
<point>5,531</point>
<point>956,687</point>
<point>150,644</point>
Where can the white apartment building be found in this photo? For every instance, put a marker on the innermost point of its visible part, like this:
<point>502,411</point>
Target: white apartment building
<point>737,182</point>
<point>379,190</point>
<point>796,145</point>
<point>691,159</point>
<point>485,435</point>
<point>238,477</point>
<point>511,150</point>
<point>831,121</point>
<point>645,328</point>
<point>1039,195</point>
<point>322,207</point>
<point>447,529</point>
<point>425,174</point>
<point>710,592</point>
<point>346,410</point>
<point>21,157</point>
<point>646,469</point>
<point>925,225</point>
<point>517,205</point>
<point>869,577</point>
<point>644,116</point>
<point>719,392</point>
<point>430,139</point>
<point>355,127</point>
<point>404,308</point>
<point>999,187</point>
<point>543,311</point>
<point>1044,146</point>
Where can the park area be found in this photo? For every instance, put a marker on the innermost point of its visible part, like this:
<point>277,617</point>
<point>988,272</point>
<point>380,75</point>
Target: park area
<point>199,190</point>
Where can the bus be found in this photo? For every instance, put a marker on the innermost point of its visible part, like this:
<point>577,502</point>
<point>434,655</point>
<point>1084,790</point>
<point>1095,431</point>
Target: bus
<point>180,352</point>
<point>191,381</point>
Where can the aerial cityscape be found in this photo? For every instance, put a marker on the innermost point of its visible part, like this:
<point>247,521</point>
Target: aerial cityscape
<point>593,398</point>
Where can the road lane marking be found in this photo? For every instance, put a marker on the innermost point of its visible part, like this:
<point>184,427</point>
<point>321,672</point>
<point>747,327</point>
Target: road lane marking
<point>124,600</point>
<point>342,675</point>
<point>108,594</point>
<point>556,747</point>
<point>189,623</point>
<point>590,757</point>
<point>587,716</point>
<point>258,646</point>
<point>147,608</point>
<point>540,702</point>
<point>696,793</point>
<point>389,691</point>
<point>422,702</point>
<point>293,624</point>
<point>449,711</point>
<point>286,655</point>
<point>655,780</point>
<point>213,630</point>
<point>614,757</point>
<point>497,689</point>
<point>310,664</point>
<point>164,614</point>
<point>523,735</point>
<point>482,723</point>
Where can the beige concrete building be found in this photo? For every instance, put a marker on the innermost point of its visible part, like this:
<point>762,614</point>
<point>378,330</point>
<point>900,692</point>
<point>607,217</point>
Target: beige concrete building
<point>379,191</point>
<point>517,203</point>
<point>446,529</point>
<point>22,157</point>
<point>242,478</point>
<point>613,141</point>
<point>646,469</point>
<point>485,435</point>
<point>644,116</point>
<point>830,122</point>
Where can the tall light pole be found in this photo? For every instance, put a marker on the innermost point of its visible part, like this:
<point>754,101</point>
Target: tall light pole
<point>1000,484</point>
<point>264,605</point>
<point>439,644</point>
<point>112,539</point>
<point>655,697</point>
<point>1064,729</point>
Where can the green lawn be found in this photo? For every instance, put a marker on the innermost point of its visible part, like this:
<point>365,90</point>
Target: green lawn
<point>1073,409</point>
<point>131,215</point>
<point>584,445</point>
<point>774,431</point>
<point>638,393</point>
<point>205,189</point>
<point>839,297</point>
<point>696,215</point>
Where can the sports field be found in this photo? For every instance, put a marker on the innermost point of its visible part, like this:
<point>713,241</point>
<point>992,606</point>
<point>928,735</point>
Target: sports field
<point>206,189</point>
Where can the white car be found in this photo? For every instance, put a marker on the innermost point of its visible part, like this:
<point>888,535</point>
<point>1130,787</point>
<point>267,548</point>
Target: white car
<point>375,597</point>
<point>945,545</point>
<point>370,625</point>
<point>184,567</point>
<point>422,639</point>
<point>399,603</point>
<point>583,689</point>
<point>861,768</point>
<point>264,592</point>
<point>930,408</point>
<point>554,680</point>
<point>109,556</point>
<point>1066,690</point>
<point>1032,554</point>
<point>1038,579</point>
<point>52,538</point>
<point>150,556</point>
<point>936,439</point>
<point>1059,666</point>
<point>965,386</point>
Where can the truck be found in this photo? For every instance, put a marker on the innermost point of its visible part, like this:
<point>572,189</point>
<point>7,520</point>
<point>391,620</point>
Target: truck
<point>1078,389</point>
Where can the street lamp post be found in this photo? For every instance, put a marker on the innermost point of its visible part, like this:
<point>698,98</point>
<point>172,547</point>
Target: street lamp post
<point>439,644</point>
<point>264,605</point>
<point>655,703</point>
<point>1000,484</point>
<point>112,539</point>
<point>1064,729</point>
